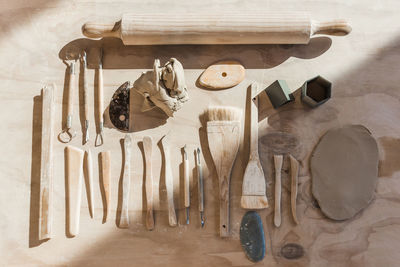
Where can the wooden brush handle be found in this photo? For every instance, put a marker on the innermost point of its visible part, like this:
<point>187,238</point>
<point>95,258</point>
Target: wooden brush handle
<point>105,158</point>
<point>254,122</point>
<point>85,92</point>
<point>46,167</point>
<point>100,94</point>
<point>148,153</point>
<point>169,183</point>
<point>74,183</point>
<point>71,94</point>
<point>278,159</point>
<point>126,183</point>
<point>294,172</point>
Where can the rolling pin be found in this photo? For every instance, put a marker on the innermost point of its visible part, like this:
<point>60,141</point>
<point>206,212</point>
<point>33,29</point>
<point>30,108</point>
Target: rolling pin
<point>226,28</point>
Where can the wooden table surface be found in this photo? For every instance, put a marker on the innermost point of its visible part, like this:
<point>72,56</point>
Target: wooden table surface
<point>364,68</point>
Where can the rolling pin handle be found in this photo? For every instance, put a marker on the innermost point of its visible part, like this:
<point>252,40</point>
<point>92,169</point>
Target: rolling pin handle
<point>99,30</point>
<point>334,27</point>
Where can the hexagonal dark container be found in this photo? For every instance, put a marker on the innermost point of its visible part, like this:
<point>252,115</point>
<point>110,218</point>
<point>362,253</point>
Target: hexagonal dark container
<point>316,91</point>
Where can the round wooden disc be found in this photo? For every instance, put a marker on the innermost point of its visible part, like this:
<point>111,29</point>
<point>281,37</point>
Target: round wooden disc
<point>344,168</point>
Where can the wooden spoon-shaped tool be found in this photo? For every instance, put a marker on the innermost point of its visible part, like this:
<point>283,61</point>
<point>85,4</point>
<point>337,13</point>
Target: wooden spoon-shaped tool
<point>278,160</point>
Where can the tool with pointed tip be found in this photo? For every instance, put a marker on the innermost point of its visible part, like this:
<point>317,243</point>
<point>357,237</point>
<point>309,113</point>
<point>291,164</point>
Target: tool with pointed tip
<point>46,164</point>
<point>68,133</point>
<point>89,172</point>
<point>201,186</point>
<point>215,28</point>
<point>105,159</point>
<point>253,188</point>
<point>186,182</point>
<point>169,181</point>
<point>100,102</point>
<point>278,160</point>
<point>294,172</point>
<point>74,184</point>
<point>223,133</point>
<point>126,183</point>
<point>85,95</point>
<point>148,152</point>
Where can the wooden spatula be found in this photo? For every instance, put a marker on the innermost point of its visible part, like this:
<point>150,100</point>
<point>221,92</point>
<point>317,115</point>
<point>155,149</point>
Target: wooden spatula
<point>126,183</point>
<point>253,188</point>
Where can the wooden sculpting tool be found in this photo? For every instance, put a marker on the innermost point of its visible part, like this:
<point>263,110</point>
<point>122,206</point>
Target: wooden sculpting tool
<point>215,28</point>
<point>74,183</point>
<point>100,102</point>
<point>85,96</point>
<point>223,132</point>
<point>46,167</point>
<point>68,133</point>
<point>186,182</point>
<point>105,158</point>
<point>89,168</point>
<point>294,172</point>
<point>200,186</point>
<point>169,182</point>
<point>148,152</point>
<point>253,188</point>
<point>126,183</point>
<point>278,159</point>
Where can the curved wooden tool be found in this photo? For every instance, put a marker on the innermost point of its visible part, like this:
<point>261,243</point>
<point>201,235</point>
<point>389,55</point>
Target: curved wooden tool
<point>126,183</point>
<point>105,158</point>
<point>294,172</point>
<point>169,182</point>
<point>74,183</point>
<point>89,169</point>
<point>148,152</point>
<point>223,28</point>
<point>278,160</point>
<point>253,188</point>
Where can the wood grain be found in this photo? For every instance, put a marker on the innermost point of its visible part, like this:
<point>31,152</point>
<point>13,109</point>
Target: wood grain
<point>278,160</point>
<point>126,183</point>
<point>89,169</point>
<point>294,172</point>
<point>105,158</point>
<point>148,154</point>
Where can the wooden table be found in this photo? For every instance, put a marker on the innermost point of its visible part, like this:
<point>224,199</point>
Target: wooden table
<point>363,67</point>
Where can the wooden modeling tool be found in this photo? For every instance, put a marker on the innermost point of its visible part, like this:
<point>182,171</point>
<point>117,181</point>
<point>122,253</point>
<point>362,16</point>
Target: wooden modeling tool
<point>169,181</point>
<point>200,186</point>
<point>68,133</point>
<point>294,172</point>
<point>74,184</point>
<point>223,132</point>
<point>126,183</point>
<point>85,96</point>
<point>100,102</point>
<point>278,160</point>
<point>148,153</point>
<point>46,167</point>
<point>186,182</point>
<point>218,28</point>
<point>105,158</point>
<point>89,169</point>
<point>253,188</point>
<point>223,74</point>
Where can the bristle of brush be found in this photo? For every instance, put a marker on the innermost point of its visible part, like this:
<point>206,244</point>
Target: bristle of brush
<point>224,114</point>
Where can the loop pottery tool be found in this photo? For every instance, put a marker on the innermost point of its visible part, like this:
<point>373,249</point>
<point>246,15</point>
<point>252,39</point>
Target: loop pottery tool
<point>74,184</point>
<point>169,181</point>
<point>294,172</point>
<point>223,132</point>
<point>68,133</point>
<point>89,172</point>
<point>186,182</point>
<point>148,153</point>
<point>126,183</point>
<point>46,167</point>
<point>253,188</point>
<point>278,160</point>
<point>105,159</point>
<point>100,102</point>
<point>200,186</point>
<point>85,95</point>
<point>219,28</point>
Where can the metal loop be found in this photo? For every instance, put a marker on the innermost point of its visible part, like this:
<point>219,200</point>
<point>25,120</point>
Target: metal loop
<point>66,135</point>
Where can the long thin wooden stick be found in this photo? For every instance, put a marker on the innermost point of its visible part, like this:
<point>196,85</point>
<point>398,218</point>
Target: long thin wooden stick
<point>278,160</point>
<point>126,183</point>
<point>294,171</point>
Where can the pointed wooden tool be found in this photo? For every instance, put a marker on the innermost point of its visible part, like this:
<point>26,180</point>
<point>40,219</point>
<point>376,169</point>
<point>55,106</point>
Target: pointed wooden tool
<point>169,182</point>
<point>105,158</point>
<point>253,188</point>
<point>278,160</point>
<point>126,183</point>
<point>89,169</point>
<point>148,152</point>
<point>294,172</point>
<point>223,132</point>
<point>46,167</point>
<point>74,183</point>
